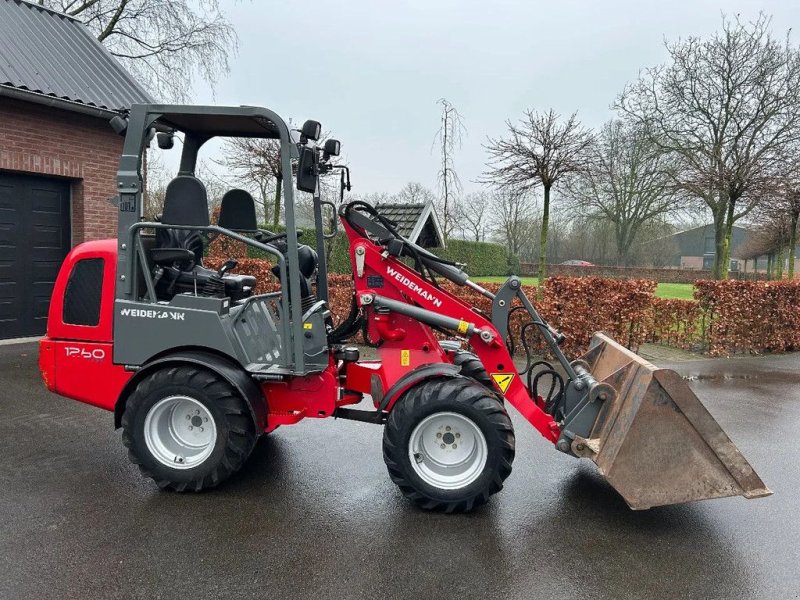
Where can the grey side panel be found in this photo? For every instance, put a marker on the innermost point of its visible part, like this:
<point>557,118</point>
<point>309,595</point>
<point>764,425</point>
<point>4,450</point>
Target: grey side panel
<point>232,373</point>
<point>256,330</point>
<point>144,330</point>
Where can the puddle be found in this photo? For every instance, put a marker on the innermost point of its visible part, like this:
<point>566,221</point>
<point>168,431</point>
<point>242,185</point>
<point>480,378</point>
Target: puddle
<point>721,377</point>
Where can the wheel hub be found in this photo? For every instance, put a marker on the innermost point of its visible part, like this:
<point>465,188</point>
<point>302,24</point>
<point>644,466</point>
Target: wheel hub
<point>448,450</point>
<point>180,432</point>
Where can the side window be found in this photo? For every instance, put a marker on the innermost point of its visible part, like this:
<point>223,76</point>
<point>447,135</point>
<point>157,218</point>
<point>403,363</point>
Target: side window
<point>84,289</point>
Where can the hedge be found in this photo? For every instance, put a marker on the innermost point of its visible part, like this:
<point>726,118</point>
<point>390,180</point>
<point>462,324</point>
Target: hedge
<point>726,317</point>
<point>572,305</point>
<point>749,316</point>
<point>482,258</point>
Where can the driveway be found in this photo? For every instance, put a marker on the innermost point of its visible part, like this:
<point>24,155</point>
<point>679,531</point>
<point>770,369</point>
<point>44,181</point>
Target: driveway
<point>314,515</point>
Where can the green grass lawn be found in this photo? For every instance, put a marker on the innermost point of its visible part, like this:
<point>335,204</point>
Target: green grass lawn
<point>502,279</point>
<point>680,291</point>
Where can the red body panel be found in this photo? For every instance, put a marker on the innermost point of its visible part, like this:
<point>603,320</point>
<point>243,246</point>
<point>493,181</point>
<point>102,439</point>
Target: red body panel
<point>76,360</point>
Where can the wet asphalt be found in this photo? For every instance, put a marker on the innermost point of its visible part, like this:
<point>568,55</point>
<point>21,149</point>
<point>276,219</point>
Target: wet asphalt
<point>313,514</point>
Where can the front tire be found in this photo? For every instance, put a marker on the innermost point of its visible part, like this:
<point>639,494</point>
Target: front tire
<point>449,444</point>
<point>187,428</point>
<point>471,366</point>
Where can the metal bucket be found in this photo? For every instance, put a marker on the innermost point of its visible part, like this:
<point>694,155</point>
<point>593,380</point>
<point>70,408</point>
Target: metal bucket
<point>654,441</point>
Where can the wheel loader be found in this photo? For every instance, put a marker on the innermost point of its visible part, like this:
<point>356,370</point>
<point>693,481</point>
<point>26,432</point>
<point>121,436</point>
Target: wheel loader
<point>196,365</point>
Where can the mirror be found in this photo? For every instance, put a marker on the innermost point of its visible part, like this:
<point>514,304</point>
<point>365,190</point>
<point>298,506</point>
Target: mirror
<point>312,130</point>
<point>307,170</point>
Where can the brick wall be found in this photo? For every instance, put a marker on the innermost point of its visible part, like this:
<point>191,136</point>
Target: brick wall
<point>37,139</point>
<point>660,275</point>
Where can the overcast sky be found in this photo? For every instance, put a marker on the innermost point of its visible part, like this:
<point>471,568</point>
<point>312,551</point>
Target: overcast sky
<point>372,71</point>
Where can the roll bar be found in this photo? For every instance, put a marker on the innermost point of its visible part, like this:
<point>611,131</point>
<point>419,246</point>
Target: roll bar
<point>200,124</point>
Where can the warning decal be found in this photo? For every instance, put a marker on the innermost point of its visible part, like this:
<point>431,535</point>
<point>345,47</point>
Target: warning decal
<point>503,380</point>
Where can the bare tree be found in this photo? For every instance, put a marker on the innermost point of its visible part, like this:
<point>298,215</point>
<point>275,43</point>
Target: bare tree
<point>414,193</point>
<point>512,216</point>
<point>449,137</point>
<point>256,163</point>
<point>540,150</point>
<point>629,183</point>
<point>164,43</point>
<point>780,211</point>
<point>472,211</point>
<point>790,204</point>
<point>155,186</point>
<point>726,107</point>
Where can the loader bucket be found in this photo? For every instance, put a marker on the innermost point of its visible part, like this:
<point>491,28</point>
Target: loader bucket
<point>654,441</point>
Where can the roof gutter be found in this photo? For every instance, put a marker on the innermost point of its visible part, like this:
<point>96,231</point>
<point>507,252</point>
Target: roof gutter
<point>52,102</point>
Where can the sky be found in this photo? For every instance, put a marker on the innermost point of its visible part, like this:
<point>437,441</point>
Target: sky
<point>372,71</point>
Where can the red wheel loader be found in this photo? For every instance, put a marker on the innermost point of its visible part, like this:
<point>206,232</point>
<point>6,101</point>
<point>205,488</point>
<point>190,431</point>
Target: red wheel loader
<point>196,366</point>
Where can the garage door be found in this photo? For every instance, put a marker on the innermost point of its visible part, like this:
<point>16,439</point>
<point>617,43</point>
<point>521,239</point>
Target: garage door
<point>34,239</point>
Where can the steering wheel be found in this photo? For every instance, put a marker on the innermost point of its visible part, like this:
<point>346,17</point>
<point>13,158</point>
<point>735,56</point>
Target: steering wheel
<point>267,239</point>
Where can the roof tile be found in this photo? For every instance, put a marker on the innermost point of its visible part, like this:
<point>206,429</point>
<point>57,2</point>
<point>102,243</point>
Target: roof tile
<point>50,53</point>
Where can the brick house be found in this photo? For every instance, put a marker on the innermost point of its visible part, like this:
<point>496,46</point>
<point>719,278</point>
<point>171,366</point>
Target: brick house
<point>58,155</point>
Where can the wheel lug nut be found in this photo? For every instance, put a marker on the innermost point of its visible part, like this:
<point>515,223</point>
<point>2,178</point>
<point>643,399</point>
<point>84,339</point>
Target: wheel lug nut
<point>447,428</point>
<point>443,446</point>
<point>205,419</point>
<point>190,427</point>
<point>438,435</point>
<point>188,417</point>
<point>201,429</point>
<point>458,435</point>
<point>455,446</point>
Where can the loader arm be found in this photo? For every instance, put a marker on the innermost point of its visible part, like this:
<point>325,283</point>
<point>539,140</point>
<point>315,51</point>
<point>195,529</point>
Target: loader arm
<point>383,284</point>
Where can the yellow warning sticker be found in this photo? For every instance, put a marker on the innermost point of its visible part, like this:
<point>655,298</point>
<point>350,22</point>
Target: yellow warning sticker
<point>308,326</point>
<point>503,380</point>
<point>463,326</point>
<point>405,358</point>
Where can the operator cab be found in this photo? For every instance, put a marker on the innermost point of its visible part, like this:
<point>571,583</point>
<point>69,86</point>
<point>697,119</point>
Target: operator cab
<point>163,289</point>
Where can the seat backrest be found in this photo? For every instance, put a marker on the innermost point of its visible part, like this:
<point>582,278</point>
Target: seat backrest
<point>238,211</point>
<point>185,203</point>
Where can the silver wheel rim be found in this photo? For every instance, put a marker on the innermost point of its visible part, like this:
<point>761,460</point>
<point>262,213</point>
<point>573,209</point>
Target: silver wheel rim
<point>447,450</point>
<point>180,432</point>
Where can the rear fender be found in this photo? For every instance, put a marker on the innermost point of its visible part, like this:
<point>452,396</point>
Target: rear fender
<point>225,368</point>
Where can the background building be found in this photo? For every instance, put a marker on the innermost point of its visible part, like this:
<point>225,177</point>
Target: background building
<point>58,155</point>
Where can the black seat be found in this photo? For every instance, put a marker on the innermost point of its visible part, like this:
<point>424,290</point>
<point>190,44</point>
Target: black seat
<point>178,253</point>
<point>238,212</point>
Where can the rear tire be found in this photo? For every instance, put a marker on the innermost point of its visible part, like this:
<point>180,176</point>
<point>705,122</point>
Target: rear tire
<point>478,438</point>
<point>187,428</point>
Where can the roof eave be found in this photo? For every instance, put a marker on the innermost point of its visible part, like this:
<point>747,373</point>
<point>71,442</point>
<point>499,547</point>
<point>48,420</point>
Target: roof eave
<point>53,102</point>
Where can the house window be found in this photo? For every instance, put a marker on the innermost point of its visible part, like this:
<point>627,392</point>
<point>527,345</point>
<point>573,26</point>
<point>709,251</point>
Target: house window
<point>710,247</point>
<point>708,263</point>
